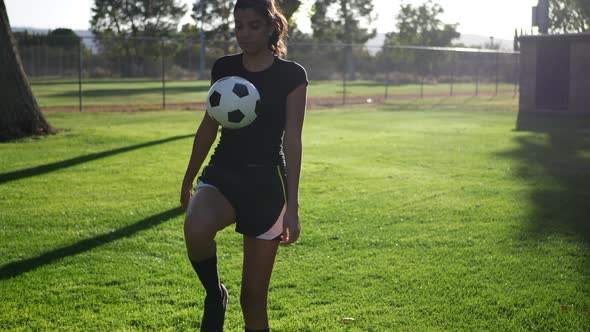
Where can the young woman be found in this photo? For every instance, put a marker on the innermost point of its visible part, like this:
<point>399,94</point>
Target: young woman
<point>249,180</point>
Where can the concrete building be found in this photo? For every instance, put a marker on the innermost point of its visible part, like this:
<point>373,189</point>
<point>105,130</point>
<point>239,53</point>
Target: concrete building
<point>555,74</point>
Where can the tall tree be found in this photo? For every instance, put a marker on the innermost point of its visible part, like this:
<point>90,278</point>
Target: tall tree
<point>567,16</point>
<point>124,26</point>
<point>420,26</point>
<point>19,112</point>
<point>342,21</point>
<point>136,18</point>
<point>218,20</point>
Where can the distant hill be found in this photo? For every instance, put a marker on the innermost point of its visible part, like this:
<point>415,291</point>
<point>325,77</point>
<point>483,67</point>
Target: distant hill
<point>467,40</point>
<point>31,30</point>
<point>373,44</point>
<point>478,40</point>
<point>81,33</point>
<point>84,34</point>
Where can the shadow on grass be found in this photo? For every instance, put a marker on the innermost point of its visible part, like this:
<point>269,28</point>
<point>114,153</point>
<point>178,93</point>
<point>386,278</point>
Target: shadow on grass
<point>129,92</point>
<point>557,165</point>
<point>107,81</point>
<point>445,102</point>
<point>15,269</point>
<point>365,83</point>
<point>102,81</point>
<point>43,169</point>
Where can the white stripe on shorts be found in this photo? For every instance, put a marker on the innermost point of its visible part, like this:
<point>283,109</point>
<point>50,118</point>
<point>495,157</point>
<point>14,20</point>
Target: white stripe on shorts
<point>276,229</point>
<point>201,184</point>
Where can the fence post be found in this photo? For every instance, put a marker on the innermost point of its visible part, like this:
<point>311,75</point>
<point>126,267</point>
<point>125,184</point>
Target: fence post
<point>453,65</point>
<point>80,73</point>
<point>344,87</point>
<point>163,73</point>
<point>476,78</point>
<point>516,74</point>
<point>190,55</point>
<point>497,69</point>
<point>421,86</point>
<point>32,48</point>
<point>386,86</point>
<point>203,41</point>
<point>344,80</point>
<point>46,50</point>
<point>38,61</point>
<point>61,62</point>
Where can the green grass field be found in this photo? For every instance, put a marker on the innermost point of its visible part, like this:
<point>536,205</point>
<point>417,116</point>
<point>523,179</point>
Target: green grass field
<point>414,219</point>
<point>64,93</point>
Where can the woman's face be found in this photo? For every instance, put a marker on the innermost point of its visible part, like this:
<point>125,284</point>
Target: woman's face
<point>252,31</point>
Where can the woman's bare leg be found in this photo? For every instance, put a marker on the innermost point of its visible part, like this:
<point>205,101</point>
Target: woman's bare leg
<point>208,212</point>
<point>259,258</point>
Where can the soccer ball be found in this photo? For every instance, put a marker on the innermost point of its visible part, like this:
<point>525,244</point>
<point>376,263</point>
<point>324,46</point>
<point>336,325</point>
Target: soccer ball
<point>233,102</point>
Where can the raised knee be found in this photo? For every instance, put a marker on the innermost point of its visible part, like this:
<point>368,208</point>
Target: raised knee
<point>197,227</point>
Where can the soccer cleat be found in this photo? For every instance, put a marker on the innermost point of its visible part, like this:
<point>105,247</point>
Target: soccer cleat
<point>214,312</point>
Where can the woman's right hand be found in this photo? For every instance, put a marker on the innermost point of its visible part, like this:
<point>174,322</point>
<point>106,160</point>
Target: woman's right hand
<point>185,195</point>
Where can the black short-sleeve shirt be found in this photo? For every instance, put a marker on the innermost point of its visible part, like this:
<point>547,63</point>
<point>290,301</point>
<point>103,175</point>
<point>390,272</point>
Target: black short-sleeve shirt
<point>259,143</point>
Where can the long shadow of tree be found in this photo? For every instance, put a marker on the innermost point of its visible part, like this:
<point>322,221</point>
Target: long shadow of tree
<point>15,269</point>
<point>130,92</point>
<point>556,163</point>
<point>47,168</point>
<point>97,81</point>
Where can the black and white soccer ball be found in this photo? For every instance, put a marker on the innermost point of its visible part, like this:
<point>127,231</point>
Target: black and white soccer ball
<point>233,102</point>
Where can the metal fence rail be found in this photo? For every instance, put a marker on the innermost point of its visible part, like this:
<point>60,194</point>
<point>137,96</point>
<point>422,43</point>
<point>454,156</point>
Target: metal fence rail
<point>154,73</point>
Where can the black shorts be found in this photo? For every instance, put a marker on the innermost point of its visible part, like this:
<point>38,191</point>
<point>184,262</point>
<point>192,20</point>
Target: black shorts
<point>258,194</point>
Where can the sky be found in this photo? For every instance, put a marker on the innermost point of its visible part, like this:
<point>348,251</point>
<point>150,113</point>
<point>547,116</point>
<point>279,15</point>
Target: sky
<point>493,18</point>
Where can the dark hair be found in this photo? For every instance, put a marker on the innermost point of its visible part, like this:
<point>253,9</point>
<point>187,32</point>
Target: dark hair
<point>273,15</point>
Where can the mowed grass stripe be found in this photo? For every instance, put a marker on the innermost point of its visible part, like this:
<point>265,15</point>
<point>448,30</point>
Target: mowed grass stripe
<point>104,92</point>
<point>413,219</point>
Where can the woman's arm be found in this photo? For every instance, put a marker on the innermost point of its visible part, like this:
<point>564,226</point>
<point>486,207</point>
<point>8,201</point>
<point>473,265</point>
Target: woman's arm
<point>204,138</point>
<point>296,103</point>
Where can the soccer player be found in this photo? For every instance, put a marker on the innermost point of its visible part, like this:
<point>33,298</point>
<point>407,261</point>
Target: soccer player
<point>249,181</point>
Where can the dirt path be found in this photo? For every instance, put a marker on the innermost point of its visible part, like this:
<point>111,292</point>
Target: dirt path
<point>312,102</point>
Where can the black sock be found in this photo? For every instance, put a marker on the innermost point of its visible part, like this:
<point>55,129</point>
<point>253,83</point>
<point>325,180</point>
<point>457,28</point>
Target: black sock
<point>265,330</point>
<point>209,275</point>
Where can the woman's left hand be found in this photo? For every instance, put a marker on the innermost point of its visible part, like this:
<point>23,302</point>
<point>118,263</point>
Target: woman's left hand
<point>291,227</point>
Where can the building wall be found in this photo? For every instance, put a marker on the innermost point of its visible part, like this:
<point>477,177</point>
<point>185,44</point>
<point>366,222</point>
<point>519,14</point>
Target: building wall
<point>528,76</point>
<point>579,72</point>
<point>580,77</point>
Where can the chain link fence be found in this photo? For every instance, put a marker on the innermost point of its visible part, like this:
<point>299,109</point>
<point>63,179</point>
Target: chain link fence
<point>152,73</point>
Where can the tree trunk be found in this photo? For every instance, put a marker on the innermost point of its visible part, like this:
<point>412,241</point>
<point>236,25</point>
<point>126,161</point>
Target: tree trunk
<point>20,115</point>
